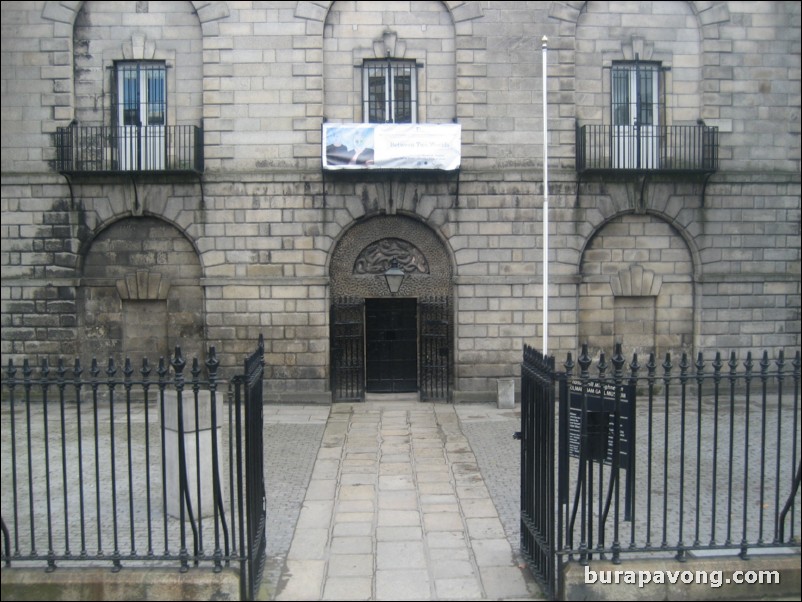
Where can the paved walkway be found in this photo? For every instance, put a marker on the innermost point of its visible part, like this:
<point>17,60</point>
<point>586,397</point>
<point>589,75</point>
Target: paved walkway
<point>399,505</point>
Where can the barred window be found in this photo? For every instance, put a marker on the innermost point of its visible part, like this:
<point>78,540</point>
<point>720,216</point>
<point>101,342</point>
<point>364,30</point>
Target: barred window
<point>389,91</point>
<point>141,111</point>
<point>636,115</point>
<point>635,94</point>
<point>141,93</point>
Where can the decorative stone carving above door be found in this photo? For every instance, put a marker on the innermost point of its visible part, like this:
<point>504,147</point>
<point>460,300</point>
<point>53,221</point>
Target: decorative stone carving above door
<point>366,251</point>
<point>377,257</point>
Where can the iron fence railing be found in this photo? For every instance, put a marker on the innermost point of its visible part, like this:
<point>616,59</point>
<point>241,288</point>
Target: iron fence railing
<point>105,149</point>
<point>658,459</point>
<point>538,445</point>
<point>255,495</point>
<point>678,148</point>
<point>130,467</point>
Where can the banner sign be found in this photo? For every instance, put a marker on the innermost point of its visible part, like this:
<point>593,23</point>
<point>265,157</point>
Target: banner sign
<point>391,146</point>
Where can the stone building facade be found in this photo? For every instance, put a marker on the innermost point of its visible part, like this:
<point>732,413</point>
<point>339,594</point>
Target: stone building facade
<point>674,186</point>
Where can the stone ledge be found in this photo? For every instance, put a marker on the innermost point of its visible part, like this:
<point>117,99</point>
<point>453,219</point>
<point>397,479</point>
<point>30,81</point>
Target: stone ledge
<point>298,397</point>
<point>473,396</point>
<point>128,584</point>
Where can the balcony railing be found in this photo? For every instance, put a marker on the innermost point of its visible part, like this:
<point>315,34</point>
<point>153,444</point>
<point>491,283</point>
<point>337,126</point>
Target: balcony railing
<point>153,148</point>
<point>678,148</point>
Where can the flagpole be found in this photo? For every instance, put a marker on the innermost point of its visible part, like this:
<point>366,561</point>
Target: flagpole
<point>545,204</point>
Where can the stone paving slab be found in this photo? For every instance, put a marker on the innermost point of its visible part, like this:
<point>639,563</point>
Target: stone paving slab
<point>409,516</point>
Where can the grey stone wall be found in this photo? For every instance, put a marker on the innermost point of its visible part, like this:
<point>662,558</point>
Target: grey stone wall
<point>140,293</point>
<point>105,32</point>
<point>258,230</point>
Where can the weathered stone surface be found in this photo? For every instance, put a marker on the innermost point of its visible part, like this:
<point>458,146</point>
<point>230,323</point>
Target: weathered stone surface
<point>260,242</point>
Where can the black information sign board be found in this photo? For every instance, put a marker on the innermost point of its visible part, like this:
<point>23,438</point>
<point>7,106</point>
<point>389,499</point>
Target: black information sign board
<point>600,413</point>
<point>599,402</point>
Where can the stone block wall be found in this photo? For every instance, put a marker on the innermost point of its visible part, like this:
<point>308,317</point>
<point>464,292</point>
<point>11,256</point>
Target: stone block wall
<point>258,229</point>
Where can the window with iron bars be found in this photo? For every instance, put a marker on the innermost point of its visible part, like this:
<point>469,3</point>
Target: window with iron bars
<point>141,136</point>
<point>389,91</point>
<point>141,93</point>
<point>636,93</point>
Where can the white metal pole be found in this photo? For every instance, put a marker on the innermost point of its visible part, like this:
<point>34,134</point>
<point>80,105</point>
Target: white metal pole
<point>545,203</point>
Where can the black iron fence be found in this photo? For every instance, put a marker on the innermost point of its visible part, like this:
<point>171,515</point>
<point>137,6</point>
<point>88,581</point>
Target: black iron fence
<point>538,446</point>
<point>678,148</point>
<point>658,459</point>
<point>117,466</point>
<point>103,149</point>
<point>255,495</point>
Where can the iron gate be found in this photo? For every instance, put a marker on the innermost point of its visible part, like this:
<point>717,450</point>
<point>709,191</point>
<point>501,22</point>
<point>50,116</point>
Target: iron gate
<point>248,388</point>
<point>347,349</point>
<point>435,350</point>
<point>537,437</point>
<point>254,465</point>
<point>716,458</point>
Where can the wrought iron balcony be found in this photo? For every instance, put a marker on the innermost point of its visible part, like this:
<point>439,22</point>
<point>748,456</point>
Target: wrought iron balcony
<point>153,148</point>
<point>662,149</point>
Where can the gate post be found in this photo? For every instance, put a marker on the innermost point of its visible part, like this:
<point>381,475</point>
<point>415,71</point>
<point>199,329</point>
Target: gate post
<point>505,393</point>
<point>197,433</point>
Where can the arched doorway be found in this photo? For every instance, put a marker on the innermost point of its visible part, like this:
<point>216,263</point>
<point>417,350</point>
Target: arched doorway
<point>391,336</point>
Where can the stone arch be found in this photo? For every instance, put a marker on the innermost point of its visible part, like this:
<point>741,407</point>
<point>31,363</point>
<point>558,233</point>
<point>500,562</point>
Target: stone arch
<point>66,12</point>
<point>405,237</point>
<point>427,36</point>
<point>637,287</point>
<point>387,339</point>
<point>140,292</point>
<point>102,37</point>
<point>604,36</point>
<point>592,228</point>
<point>709,14</point>
<point>318,11</point>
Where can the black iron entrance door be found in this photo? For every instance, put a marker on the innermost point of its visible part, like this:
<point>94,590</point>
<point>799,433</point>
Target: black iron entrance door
<point>391,345</point>
<point>347,349</point>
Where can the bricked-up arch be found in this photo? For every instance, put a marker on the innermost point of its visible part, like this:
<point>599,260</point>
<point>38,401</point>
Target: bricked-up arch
<point>140,293</point>
<point>637,287</point>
